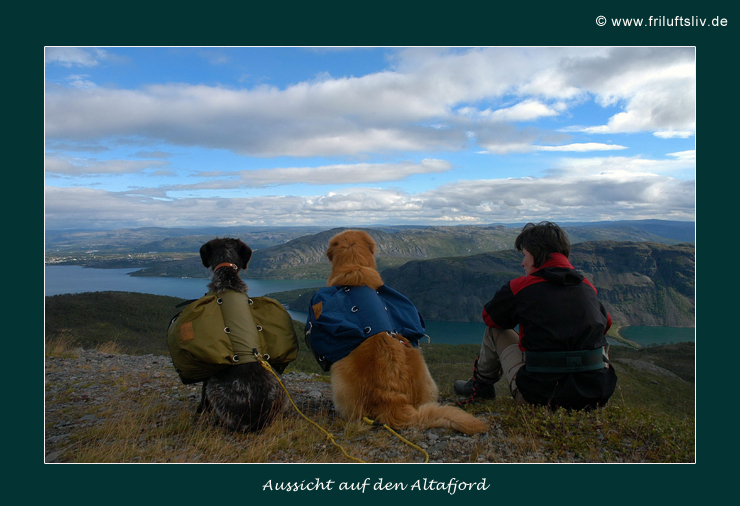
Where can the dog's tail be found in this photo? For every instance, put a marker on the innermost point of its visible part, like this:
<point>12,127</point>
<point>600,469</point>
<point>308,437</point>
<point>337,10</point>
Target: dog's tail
<point>434,414</point>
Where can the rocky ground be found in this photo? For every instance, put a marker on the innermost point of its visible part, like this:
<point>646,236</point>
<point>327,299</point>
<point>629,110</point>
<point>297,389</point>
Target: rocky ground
<point>111,407</point>
<point>78,386</point>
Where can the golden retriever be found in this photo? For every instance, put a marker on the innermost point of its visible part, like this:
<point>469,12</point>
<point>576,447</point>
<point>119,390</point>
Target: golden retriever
<point>385,378</point>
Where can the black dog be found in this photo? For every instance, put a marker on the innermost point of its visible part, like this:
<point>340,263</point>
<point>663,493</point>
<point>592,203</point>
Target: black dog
<point>247,396</point>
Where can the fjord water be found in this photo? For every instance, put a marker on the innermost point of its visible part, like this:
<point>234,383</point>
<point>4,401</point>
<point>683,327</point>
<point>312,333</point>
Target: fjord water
<point>658,335</point>
<point>62,279</point>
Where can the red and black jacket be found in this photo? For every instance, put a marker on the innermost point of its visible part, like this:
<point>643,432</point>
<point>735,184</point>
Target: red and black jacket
<point>557,309</point>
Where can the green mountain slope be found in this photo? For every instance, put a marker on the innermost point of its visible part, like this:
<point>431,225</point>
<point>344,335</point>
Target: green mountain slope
<point>136,321</point>
<point>304,257</point>
<point>639,283</point>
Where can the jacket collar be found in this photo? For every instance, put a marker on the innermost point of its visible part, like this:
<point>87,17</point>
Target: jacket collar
<point>556,260</point>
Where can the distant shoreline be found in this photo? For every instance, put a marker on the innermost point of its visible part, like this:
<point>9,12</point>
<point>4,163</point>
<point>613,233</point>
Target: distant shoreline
<point>618,336</point>
<point>623,340</point>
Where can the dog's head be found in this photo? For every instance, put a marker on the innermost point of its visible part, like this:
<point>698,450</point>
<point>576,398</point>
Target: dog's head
<point>218,251</point>
<point>352,263</point>
<point>351,248</point>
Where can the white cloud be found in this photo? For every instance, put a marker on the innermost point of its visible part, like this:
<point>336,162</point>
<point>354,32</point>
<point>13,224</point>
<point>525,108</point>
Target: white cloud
<point>657,87</point>
<point>392,110</point>
<point>581,147</point>
<point>305,120</point>
<point>689,155</point>
<point>323,175</point>
<point>568,197</point>
<point>581,190</point>
<point>624,167</point>
<point>80,81</point>
<point>499,148</point>
<point>672,134</point>
<point>528,110</point>
<point>79,166</point>
<point>73,56</point>
<point>504,139</point>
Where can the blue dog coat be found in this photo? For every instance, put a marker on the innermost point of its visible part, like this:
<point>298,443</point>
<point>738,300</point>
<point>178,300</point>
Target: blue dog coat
<point>340,318</point>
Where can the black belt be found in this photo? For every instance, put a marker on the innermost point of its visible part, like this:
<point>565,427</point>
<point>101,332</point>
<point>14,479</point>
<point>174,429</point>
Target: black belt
<point>565,361</point>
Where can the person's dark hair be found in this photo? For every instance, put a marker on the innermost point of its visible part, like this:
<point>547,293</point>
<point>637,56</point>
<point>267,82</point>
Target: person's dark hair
<point>541,240</point>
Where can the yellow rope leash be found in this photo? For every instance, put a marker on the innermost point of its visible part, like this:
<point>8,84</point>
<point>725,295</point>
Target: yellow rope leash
<point>385,426</point>
<point>330,436</point>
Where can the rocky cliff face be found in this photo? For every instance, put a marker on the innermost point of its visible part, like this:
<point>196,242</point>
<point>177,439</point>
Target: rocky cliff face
<point>639,283</point>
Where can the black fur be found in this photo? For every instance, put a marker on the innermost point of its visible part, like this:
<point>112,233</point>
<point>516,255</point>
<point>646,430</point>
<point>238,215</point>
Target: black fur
<point>243,397</point>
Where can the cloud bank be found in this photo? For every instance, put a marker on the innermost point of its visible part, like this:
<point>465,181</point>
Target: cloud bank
<point>600,189</point>
<point>360,144</point>
<point>427,101</point>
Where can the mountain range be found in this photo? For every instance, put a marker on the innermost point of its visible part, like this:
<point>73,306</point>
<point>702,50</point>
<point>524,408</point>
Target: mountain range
<point>639,283</point>
<point>304,257</point>
<point>448,272</point>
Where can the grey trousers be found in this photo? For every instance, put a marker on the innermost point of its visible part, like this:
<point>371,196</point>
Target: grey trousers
<point>500,355</point>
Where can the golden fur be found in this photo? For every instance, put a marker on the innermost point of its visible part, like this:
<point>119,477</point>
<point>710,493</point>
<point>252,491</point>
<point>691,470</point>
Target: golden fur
<point>385,378</point>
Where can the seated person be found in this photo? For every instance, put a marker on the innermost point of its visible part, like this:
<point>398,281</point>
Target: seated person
<point>559,356</point>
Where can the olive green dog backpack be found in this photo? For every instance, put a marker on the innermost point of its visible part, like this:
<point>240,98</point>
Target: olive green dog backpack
<point>221,330</point>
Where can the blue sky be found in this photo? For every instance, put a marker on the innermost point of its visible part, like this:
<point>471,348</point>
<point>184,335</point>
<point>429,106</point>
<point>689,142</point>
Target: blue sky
<point>179,137</point>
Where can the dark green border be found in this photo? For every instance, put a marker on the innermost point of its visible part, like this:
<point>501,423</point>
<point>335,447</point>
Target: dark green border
<point>391,24</point>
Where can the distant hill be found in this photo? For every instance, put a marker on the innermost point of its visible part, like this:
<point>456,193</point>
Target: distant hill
<point>137,321</point>
<point>158,239</point>
<point>639,283</point>
<point>679,231</point>
<point>669,232</point>
<point>305,257</point>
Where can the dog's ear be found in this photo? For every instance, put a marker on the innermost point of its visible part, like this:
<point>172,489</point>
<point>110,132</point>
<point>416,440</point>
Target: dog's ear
<point>333,243</point>
<point>205,254</point>
<point>245,253</point>
<point>370,242</point>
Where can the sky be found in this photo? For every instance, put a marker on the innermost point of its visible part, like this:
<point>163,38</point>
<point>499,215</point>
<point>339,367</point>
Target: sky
<point>292,136</point>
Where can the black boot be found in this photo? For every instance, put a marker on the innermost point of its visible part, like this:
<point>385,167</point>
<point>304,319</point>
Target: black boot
<point>475,389</point>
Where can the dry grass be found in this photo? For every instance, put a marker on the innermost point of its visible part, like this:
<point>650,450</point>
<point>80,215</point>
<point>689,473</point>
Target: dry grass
<point>137,422</point>
<point>61,345</point>
<point>64,344</point>
<point>145,429</point>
